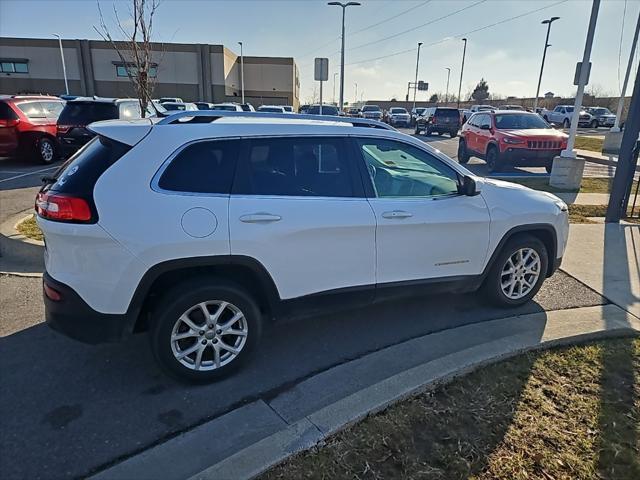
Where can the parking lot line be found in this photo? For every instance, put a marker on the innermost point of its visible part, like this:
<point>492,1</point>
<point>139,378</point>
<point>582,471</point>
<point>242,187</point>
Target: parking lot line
<point>27,174</point>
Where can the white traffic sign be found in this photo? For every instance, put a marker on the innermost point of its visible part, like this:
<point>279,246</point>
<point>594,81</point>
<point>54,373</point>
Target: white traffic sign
<point>321,72</point>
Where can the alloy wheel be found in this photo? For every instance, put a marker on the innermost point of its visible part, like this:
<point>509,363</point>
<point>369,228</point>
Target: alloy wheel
<point>520,273</point>
<point>209,335</point>
<point>46,151</point>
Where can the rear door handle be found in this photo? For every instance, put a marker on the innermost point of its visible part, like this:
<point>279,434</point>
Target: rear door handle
<point>260,217</point>
<point>397,214</point>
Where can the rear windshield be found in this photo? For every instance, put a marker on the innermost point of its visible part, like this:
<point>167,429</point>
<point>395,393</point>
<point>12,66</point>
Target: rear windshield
<point>371,108</point>
<point>84,113</point>
<point>231,108</point>
<point>447,112</point>
<point>326,110</point>
<point>271,109</point>
<point>79,174</point>
<point>6,113</point>
<point>519,121</point>
<point>398,110</point>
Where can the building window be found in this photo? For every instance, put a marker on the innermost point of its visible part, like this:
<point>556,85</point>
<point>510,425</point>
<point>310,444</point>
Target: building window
<point>121,70</point>
<point>14,66</point>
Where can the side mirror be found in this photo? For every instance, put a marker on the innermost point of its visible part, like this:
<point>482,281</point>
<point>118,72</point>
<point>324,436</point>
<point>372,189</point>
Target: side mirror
<point>468,187</point>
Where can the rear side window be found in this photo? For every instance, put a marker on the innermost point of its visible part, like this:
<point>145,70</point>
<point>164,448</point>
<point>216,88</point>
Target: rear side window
<point>6,113</point>
<point>203,167</point>
<point>79,174</point>
<point>296,166</point>
<point>84,113</point>
<point>32,109</point>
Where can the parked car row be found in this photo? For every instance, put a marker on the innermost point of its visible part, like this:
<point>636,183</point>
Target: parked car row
<point>592,117</point>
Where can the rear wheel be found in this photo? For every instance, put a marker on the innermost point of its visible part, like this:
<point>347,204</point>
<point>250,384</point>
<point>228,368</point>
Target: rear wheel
<point>493,159</point>
<point>518,272</point>
<point>453,134</point>
<point>417,131</point>
<point>204,329</point>
<point>594,123</point>
<point>45,150</point>
<point>463,154</point>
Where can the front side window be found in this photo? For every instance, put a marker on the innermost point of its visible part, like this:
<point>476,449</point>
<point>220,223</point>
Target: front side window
<point>202,167</point>
<point>296,166</point>
<point>401,170</point>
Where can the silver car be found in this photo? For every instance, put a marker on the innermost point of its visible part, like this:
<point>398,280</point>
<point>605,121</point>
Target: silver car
<point>602,117</point>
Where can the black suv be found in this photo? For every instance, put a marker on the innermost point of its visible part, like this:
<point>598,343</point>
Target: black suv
<point>439,120</point>
<point>77,114</point>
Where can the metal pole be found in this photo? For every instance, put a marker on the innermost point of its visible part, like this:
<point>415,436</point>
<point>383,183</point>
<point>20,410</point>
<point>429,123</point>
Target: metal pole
<point>415,86</point>
<point>627,161</point>
<point>241,71</point>
<point>334,87</point>
<point>64,66</point>
<point>544,55</point>
<point>320,97</point>
<point>356,85</point>
<point>464,52</point>
<point>446,95</point>
<point>616,126</point>
<point>344,7</point>
<point>568,152</point>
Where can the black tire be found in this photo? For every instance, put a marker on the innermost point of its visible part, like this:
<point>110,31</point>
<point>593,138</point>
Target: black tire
<point>594,123</point>
<point>45,150</point>
<point>453,134</point>
<point>566,123</point>
<point>493,159</point>
<point>548,168</point>
<point>417,131</point>
<point>546,119</point>
<point>427,132</point>
<point>492,286</point>
<point>463,154</point>
<point>178,301</point>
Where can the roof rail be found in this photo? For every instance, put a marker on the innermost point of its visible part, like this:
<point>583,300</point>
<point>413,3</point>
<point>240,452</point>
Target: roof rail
<point>207,116</point>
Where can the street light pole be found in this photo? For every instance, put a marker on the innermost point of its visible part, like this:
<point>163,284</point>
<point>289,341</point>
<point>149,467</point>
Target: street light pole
<point>446,95</point>
<point>616,126</point>
<point>356,97</point>
<point>344,7</point>
<point>464,52</point>
<point>64,67</point>
<point>241,71</point>
<point>334,87</point>
<point>548,22</point>
<point>415,83</point>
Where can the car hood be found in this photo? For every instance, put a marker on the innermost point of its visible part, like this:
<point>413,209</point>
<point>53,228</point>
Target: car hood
<point>536,132</point>
<point>538,195</point>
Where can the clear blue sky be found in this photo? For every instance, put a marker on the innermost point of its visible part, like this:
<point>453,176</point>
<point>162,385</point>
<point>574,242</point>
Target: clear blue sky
<point>506,55</point>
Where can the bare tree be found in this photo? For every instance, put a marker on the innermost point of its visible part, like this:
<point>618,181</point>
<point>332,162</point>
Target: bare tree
<point>136,49</point>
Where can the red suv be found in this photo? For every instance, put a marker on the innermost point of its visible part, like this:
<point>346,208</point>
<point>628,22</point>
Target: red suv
<point>28,126</point>
<point>511,138</point>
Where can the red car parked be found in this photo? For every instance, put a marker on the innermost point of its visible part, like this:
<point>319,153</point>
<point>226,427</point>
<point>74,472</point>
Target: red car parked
<point>510,138</point>
<point>28,126</point>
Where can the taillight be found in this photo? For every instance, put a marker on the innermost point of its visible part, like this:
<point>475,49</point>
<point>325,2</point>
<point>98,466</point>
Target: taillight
<point>64,208</point>
<point>9,123</point>
<point>51,293</point>
<point>64,128</point>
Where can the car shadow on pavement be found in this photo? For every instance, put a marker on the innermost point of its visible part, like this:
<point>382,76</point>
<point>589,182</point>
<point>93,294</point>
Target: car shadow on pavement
<point>17,256</point>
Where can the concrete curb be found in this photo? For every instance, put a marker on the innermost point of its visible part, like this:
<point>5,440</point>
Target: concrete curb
<point>307,413</point>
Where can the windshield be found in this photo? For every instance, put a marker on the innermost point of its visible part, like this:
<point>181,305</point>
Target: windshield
<point>600,111</point>
<point>398,110</point>
<point>230,108</point>
<point>519,121</point>
<point>271,109</point>
<point>371,108</point>
<point>326,110</point>
<point>174,106</point>
<point>84,113</point>
<point>420,111</point>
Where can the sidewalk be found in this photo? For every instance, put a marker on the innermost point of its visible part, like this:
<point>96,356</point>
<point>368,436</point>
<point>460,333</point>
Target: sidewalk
<point>584,198</point>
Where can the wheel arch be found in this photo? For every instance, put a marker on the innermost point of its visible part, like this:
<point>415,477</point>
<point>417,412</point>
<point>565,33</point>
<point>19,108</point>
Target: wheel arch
<point>245,271</point>
<point>545,232</point>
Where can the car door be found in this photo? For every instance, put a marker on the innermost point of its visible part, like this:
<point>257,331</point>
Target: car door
<point>425,228</point>
<point>471,137</point>
<point>299,209</point>
<point>483,132</point>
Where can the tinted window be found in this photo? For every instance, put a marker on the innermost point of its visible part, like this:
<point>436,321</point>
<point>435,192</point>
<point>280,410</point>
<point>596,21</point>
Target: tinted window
<point>271,109</point>
<point>52,109</point>
<point>447,112</point>
<point>79,174</point>
<point>401,170</point>
<point>398,110</point>
<point>32,109</point>
<point>84,113</point>
<point>326,110</point>
<point>6,113</point>
<point>231,108</point>
<point>371,108</point>
<point>174,106</point>
<point>203,167</point>
<point>296,167</point>
<point>519,121</point>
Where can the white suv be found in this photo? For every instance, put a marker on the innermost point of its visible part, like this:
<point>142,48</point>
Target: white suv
<point>199,227</point>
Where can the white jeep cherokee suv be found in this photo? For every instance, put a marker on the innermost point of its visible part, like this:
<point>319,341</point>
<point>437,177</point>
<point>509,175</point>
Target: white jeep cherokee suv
<point>201,226</point>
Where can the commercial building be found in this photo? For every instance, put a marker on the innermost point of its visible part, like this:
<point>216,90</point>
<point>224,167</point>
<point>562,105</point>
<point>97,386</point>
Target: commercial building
<point>209,73</point>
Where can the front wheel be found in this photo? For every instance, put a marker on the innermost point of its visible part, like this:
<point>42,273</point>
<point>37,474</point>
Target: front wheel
<point>463,155</point>
<point>493,160</point>
<point>518,272</point>
<point>45,150</point>
<point>565,123</point>
<point>204,329</point>
<point>417,131</point>
<point>594,124</point>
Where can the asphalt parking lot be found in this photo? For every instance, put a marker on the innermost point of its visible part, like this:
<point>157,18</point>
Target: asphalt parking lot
<point>70,409</point>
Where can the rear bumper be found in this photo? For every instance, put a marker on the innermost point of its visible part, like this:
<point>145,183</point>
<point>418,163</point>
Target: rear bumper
<point>529,158</point>
<point>73,317</point>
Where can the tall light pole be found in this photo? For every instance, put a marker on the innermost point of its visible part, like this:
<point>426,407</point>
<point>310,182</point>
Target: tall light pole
<point>548,22</point>
<point>446,95</point>
<point>344,7</point>
<point>64,66</point>
<point>356,97</point>
<point>334,87</point>
<point>616,126</point>
<point>415,83</point>
<point>241,71</point>
<point>464,53</point>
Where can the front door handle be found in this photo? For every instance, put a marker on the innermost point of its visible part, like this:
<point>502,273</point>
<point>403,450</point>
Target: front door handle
<point>260,217</point>
<point>397,214</point>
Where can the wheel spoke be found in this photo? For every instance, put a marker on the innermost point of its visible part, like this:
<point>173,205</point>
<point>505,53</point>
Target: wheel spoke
<point>511,287</point>
<point>229,348</point>
<point>198,361</point>
<point>189,322</point>
<point>235,319</point>
<point>233,331</point>
<point>181,336</point>
<point>188,351</point>
<point>216,356</point>
<point>214,318</point>
<point>205,312</point>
